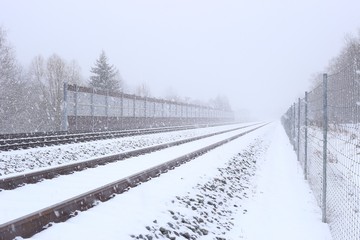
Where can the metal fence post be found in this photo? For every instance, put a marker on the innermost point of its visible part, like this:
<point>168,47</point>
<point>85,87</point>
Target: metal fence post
<point>163,109</point>
<point>181,111</point>
<point>92,110</point>
<point>154,108</point>
<point>325,129</point>
<point>306,134</point>
<point>76,107</point>
<point>298,130</point>
<point>174,114</point>
<point>65,110</point>
<point>122,110</point>
<point>134,106</point>
<point>293,127</point>
<point>145,107</point>
<point>145,113</point>
<point>107,109</point>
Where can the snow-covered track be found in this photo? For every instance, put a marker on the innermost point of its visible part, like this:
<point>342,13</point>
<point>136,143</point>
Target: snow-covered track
<point>33,177</point>
<point>35,222</point>
<point>25,141</point>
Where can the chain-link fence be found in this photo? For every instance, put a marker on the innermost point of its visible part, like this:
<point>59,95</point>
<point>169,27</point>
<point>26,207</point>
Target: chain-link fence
<point>324,128</point>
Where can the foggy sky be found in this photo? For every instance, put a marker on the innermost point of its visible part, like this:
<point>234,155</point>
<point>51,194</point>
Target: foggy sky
<point>260,54</point>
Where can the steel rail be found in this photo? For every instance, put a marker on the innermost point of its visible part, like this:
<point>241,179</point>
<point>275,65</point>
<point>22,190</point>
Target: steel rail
<point>9,136</point>
<point>33,223</point>
<point>9,183</point>
<point>7,144</point>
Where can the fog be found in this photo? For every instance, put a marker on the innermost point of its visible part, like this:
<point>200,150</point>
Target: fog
<point>260,54</point>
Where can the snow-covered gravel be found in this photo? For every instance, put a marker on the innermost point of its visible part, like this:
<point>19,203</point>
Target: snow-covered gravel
<point>210,208</point>
<point>21,161</point>
<point>33,197</point>
<point>251,188</point>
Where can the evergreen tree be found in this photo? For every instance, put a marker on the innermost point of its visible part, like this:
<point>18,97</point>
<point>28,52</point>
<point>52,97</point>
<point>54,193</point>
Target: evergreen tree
<point>104,75</point>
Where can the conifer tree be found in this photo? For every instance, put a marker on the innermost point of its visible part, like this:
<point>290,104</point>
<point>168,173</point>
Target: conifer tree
<point>104,75</point>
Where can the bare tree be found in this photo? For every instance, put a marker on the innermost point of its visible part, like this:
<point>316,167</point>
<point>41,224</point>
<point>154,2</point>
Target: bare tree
<point>172,95</point>
<point>316,79</point>
<point>12,86</point>
<point>349,55</point>
<point>38,78</point>
<point>143,90</point>
<point>73,71</point>
<point>8,63</point>
<point>221,102</point>
<point>32,101</point>
<point>56,75</point>
<point>48,78</point>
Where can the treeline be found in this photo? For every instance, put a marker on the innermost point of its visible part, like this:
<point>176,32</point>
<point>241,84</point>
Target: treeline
<point>31,97</point>
<point>343,86</point>
<point>349,57</point>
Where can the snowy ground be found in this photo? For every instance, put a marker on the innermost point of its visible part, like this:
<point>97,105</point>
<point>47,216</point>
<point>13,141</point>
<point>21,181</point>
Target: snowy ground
<point>22,161</point>
<point>33,197</point>
<point>251,188</point>
<point>343,176</point>
<point>283,205</point>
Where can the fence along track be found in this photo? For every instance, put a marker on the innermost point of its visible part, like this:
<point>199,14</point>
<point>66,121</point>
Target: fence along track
<point>35,222</point>
<point>24,141</point>
<point>14,182</point>
<point>93,109</point>
<point>324,129</point>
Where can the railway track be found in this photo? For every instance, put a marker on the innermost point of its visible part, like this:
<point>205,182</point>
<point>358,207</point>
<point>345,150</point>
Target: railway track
<point>32,140</point>
<point>30,224</point>
<point>13,182</point>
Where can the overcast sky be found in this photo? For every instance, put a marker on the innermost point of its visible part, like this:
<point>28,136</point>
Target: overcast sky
<point>260,54</point>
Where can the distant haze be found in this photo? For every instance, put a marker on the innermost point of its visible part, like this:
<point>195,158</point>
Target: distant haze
<point>260,54</point>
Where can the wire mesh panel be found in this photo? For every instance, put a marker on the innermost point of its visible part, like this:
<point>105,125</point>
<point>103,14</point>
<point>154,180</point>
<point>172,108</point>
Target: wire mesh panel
<point>71,103</point>
<point>140,108</point>
<point>128,107</point>
<point>186,111</point>
<point>179,108</point>
<point>192,112</point>
<point>172,110</point>
<point>83,104</point>
<point>99,104</point>
<point>150,108</point>
<point>158,109</point>
<point>343,171</point>
<point>166,109</point>
<point>114,106</point>
<point>324,129</point>
<point>315,142</point>
<point>288,123</point>
<point>302,133</point>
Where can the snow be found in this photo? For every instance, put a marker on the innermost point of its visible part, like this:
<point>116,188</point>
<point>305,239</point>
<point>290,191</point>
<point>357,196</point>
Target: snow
<point>282,204</point>
<point>22,161</point>
<point>251,188</point>
<point>49,192</point>
<point>343,178</point>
